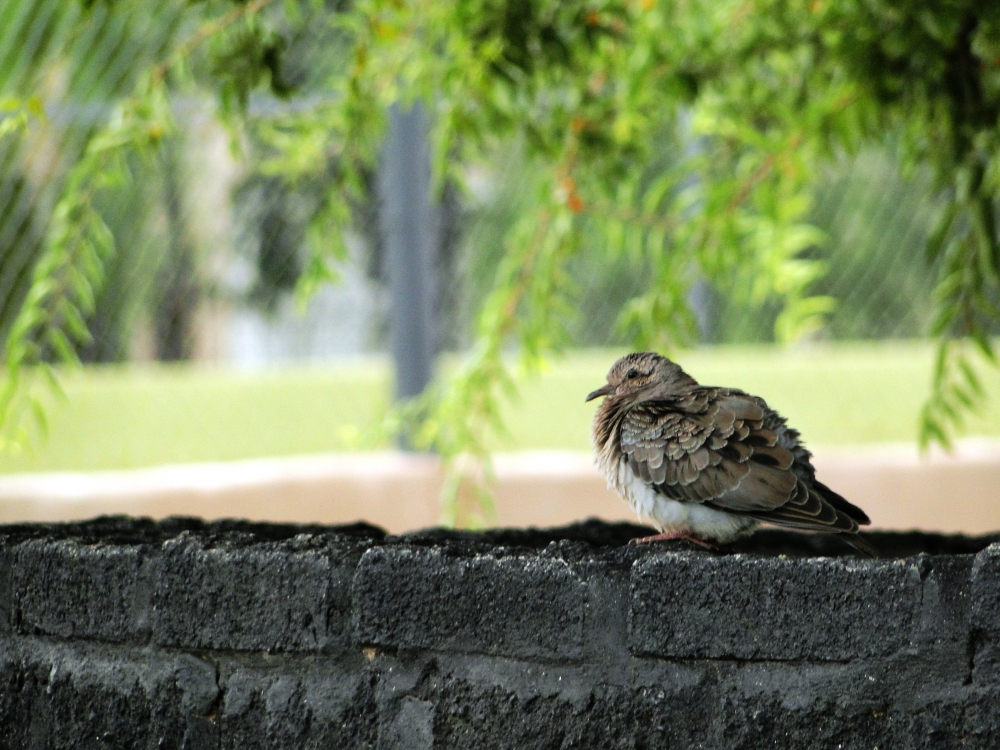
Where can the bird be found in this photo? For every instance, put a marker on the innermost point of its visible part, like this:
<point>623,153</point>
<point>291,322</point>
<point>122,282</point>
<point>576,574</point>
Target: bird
<point>705,463</point>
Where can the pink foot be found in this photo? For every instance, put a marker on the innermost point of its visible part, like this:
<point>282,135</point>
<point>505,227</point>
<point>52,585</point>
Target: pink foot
<point>667,535</point>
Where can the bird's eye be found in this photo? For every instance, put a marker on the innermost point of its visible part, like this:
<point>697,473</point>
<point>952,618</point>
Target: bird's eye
<point>632,374</point>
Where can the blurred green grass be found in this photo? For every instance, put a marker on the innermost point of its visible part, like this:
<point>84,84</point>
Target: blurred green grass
<point>124,417</point>
<point>835,394</point>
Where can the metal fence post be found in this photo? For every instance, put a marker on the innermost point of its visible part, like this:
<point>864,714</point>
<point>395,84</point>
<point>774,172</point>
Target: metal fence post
<point>408,230</point>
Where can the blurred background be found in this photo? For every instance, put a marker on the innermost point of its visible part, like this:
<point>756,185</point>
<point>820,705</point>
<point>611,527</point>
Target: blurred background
<point>208,388</point>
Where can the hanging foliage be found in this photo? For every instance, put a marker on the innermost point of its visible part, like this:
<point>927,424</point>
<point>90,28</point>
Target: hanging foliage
<point>750,98</point>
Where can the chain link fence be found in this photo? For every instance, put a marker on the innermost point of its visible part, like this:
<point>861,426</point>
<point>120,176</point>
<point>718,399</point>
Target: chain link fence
<point>209,249</point>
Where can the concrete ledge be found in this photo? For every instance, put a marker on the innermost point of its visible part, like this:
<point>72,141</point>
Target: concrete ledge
<point>132,633</point>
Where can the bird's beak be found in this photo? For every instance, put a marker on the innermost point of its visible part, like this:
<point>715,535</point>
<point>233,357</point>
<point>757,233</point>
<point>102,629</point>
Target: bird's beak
<point>604,390</point>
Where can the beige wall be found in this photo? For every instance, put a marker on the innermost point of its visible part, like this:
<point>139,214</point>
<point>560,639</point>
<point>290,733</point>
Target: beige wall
<point>897,488</point>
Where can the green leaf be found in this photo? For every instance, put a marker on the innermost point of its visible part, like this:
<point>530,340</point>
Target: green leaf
<point>941,228</point>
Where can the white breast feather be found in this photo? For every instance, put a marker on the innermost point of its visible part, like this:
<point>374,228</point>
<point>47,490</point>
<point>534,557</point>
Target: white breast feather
<point>670,515</point>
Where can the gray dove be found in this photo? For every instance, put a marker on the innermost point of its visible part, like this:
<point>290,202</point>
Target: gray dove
<point>708,464</point>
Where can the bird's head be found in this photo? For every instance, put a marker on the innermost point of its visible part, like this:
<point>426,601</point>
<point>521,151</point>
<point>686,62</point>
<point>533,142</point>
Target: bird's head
<point>641,375</point>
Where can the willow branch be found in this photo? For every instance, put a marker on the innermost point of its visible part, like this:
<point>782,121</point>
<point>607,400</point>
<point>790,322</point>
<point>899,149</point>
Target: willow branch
<point>205,32</point>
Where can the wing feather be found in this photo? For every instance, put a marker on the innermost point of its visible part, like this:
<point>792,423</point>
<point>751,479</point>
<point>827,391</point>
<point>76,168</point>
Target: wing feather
<point>728,450</point>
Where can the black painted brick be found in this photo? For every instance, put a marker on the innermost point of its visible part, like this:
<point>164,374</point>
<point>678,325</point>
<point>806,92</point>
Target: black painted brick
<point>986,593</point>
<point>748,607</point>
<point>469,715</point>
<point>87,697</point>
<point>984,637</point>
<point>271,596</point>
<point>73,590</point>
<point>711,705</point>
<point>863,708</point>
<point>522,605</point>
<point>296,705</point>
<point>947,598</point>
<point>528,645</point>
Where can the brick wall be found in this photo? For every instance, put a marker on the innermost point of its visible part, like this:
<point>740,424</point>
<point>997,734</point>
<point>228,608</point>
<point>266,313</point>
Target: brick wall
<point>131,633</point>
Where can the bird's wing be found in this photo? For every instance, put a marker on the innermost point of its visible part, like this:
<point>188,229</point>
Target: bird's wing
<point>721,448</point>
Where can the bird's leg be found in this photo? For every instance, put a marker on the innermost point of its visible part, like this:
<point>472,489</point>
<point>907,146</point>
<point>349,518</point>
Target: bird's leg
<point>666,535</point>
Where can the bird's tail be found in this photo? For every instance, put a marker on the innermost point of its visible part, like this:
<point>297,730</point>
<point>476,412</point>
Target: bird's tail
<point>860,544</point>
<point>842,504</point>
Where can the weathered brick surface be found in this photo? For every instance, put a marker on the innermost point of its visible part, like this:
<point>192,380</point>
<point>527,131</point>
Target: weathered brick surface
<point>58,696</point>
<point>693,606</point>
<point>523,605</point>
<point>289,595</point>
<point>73,590</point>
<point>254,599</point>
<point>984,617</point>
<point>297,704</point>
<point>986,592</point>
<point>123,633</point>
